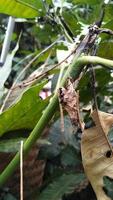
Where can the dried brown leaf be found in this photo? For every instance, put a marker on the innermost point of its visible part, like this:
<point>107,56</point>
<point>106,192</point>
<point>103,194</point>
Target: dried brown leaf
<point>96,152</point>
<point>69,99</point>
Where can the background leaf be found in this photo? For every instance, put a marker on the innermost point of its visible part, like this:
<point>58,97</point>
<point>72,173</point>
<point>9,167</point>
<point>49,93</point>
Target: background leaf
<point>11,145</point>
<point>108,186</point>
<point>62,185</point>
<point>6,69</point>
<point>89,2</point>
<point>69,157</point>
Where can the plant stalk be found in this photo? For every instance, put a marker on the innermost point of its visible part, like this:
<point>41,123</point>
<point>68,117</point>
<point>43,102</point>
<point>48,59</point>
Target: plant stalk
<point>73,71</point>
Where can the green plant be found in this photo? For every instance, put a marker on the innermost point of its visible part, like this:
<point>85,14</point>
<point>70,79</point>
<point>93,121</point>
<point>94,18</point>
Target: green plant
<point>58,23</point>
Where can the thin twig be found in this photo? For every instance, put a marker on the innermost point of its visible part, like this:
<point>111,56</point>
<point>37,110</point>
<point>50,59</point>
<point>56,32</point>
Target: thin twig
<point>89,38</point>
<point>59,78</point>
<point>107,31</point>
<point>31,81</point>
<point>62,117</point>
<point>25,83</point>
<point>34,59</point>
<point>21,73</point>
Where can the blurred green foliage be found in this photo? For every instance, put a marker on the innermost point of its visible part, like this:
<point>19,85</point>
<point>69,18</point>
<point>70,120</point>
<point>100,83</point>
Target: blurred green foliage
<point>42,23</point>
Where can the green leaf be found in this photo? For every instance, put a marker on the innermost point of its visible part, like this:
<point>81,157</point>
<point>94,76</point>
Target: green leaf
<point>17,9</point>
<point>10,145</point>
<point>89,1</point>
<point>108,25</point>
<point>34,4</point>
<point>88,14</point>
<point>71,21</point>
<point>9,196</point>
<point>56,138</point>
<point>25,113</point>
<point>62,185</point>
<point>46,34</point>
<point>49,1</point>
<point>106,49</point>
<point>69,157</point>
<point>108,12</point>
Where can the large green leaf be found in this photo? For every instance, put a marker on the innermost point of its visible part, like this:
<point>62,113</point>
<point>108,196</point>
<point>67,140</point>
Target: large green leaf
<point>62,185</point>
<point>25,113</point>
<point>37,5</point>
<point>18,9</point>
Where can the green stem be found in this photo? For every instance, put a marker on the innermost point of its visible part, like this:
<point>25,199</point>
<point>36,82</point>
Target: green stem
<point>73,71</point>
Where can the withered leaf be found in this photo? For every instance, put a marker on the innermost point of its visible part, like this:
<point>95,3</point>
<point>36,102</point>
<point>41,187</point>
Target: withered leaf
<point>97,153</point>
<point>69,99</point>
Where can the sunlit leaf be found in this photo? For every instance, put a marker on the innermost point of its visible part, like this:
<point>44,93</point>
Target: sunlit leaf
<point>17,9</point>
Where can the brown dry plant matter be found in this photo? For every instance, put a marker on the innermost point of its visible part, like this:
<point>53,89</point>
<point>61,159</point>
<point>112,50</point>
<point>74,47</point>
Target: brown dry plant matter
<point>97,153</point>
<point>69,99</point>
